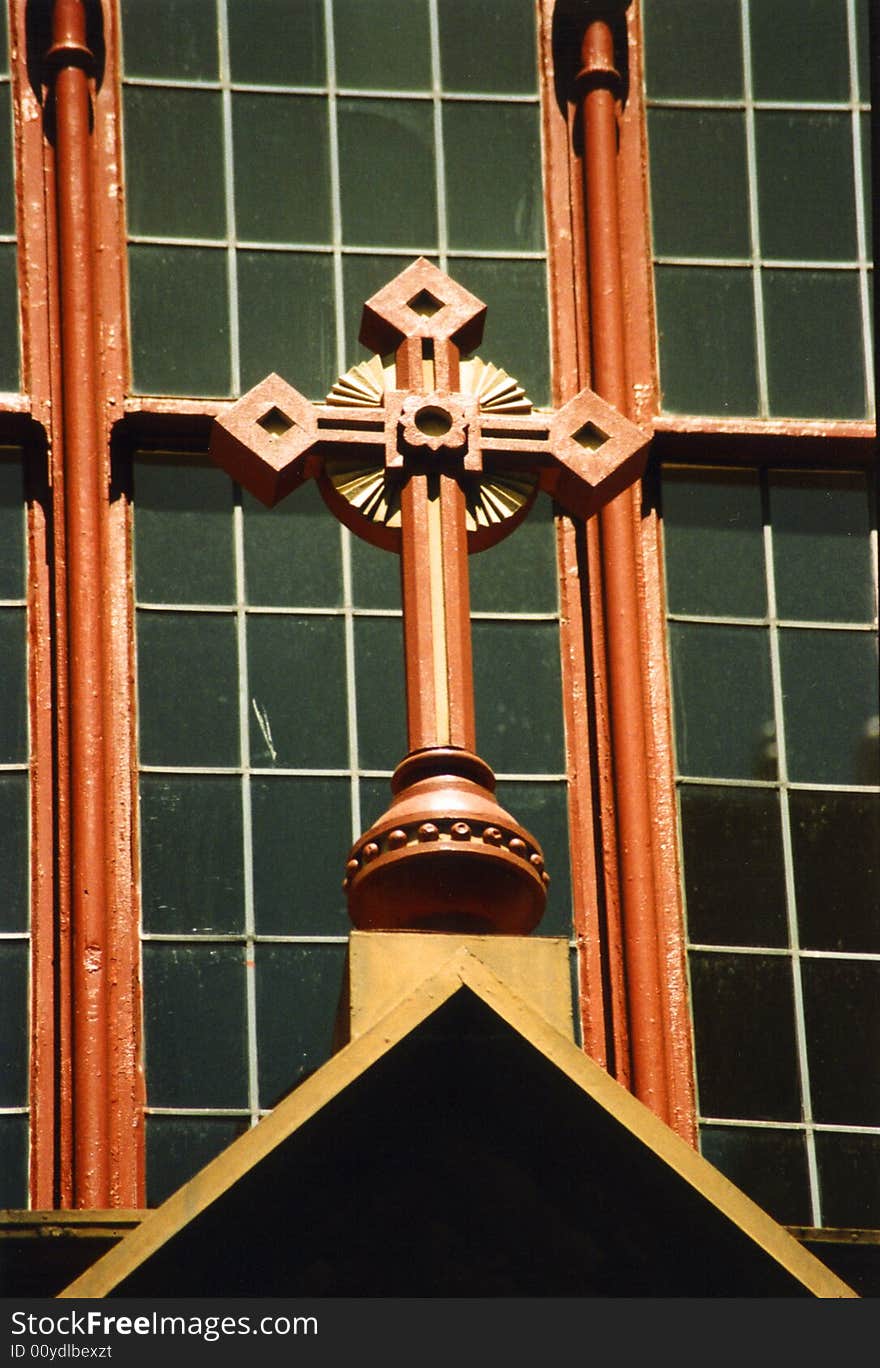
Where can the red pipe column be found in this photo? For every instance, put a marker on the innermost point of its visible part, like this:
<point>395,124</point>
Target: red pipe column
<point>600,83</point>
<point>85,493</point>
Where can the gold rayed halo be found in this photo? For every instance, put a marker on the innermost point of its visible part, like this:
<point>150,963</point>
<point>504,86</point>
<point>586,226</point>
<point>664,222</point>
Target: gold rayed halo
<point>368,503</point>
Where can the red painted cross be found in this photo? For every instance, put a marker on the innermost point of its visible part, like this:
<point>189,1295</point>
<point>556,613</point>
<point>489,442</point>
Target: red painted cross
<point>434,468</point>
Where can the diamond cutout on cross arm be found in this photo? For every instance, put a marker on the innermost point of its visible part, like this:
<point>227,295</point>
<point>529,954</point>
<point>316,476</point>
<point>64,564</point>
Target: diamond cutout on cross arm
<point>589,437</point>
<point>425,304</point>
<point>275,422</point>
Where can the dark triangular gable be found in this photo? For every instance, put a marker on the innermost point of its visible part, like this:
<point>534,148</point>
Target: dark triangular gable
<point>461,1147</point>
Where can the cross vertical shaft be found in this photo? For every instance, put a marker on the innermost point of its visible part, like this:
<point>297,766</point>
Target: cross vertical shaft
<point>434,578</point>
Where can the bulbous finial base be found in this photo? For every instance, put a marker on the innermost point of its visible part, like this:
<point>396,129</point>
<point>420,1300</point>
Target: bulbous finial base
<point>446,856</point>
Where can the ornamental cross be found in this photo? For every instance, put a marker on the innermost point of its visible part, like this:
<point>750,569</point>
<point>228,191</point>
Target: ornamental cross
<point>433,457</point>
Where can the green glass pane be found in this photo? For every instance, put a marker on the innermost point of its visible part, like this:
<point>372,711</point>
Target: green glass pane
<point>298,992</point>
<point>14,1023</point>
<point>800,50</point>
<point>171,38</point>
<point>362,276</point>
<point>723,701</point>
<point>849,1174</point>
<point>296,680</point>
<point>387,181</point>
<point>292,552</point>
<point>382,47</point>
<point>183,549</point>
<point>769,1165</point>
<point>519,574</point>
<point>13,687</point>
<point>574,981</point>
<point>381,695</point>
<point>187,689</point>
<point>280,49</point>
<point>174,161</point>
<point>301,835</point>
<point>543,810</point>
<point>829,689</point>
<point>693,51</point>
<point>871,312</point>
<point>867,189</point>
<point>493,202</point>
<point>842,1020</point>
<point>14,830</point>
<point>286,321</point>
<point>9,350</point>
<point>375,576</point>
<point>488,47</point>
<point>813,327</point>
<point>821,546</point>
<point>518,690</point>
<point>734,878</point>
<point>699,182</point>
<point>7,189</point>
<point>192,875</point>
<point>835,841</point>
<point>713,542</point>
<point>706,337</point>
<point>375,795</point>
<point>516,335</point>
<point>179,320</point>
<point>282,178</point>
<point>195,1025</point>
<point>4,41</point>
<point>179,1146</point>
<point>806,196</point>
<point>13,1162</point>
<point>12,564</point>
<point>741,1003</point>
<point>863,45</point>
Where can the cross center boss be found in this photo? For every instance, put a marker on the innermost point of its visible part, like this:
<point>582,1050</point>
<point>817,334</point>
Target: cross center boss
<point>433,457</point>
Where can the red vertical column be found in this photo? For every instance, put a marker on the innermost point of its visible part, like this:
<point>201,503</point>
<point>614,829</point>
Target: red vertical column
<point>86,480</point>
<point>591,837</point>
<point>625,657</point>
<point>39,383</point>
<point>99,1159</point>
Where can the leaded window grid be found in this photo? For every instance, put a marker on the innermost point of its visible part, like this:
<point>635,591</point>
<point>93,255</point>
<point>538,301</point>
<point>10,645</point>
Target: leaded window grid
<point>337,250</point>
<point>15,608</point>
<point>808,1126</point>
<point>858,108</point>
